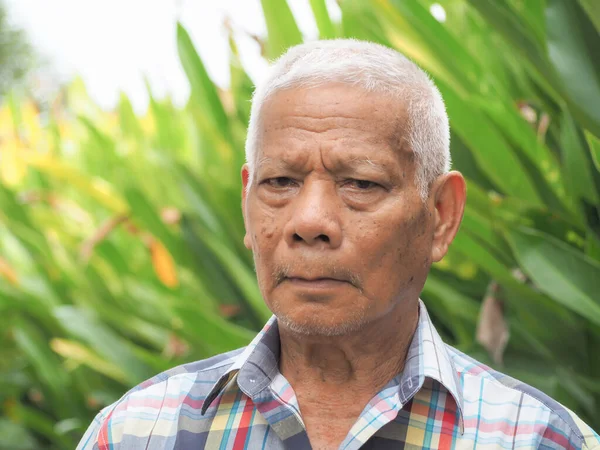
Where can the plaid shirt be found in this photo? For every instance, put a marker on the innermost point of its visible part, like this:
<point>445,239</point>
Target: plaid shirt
<point>238,400</point>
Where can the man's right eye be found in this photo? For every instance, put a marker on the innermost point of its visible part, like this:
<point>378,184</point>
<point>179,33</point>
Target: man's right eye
<point>279,182</point>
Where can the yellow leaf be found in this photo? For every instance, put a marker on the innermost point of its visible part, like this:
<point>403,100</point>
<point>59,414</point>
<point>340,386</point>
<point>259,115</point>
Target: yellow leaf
<point>12,166</point>
<point>95,187</point>
<point>163,263</point>
<point>65,130</point>
<point>31,125</point>
<point>148,124</point>
<point>6,123</point>
<point>76,352</point>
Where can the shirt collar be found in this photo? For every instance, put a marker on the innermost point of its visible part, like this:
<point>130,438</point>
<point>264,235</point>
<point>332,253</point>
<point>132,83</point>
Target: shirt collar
<point>427,357</point>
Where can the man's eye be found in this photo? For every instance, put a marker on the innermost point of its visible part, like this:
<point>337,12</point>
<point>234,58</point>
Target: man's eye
<point>362,185</point>
<point>279,182</point>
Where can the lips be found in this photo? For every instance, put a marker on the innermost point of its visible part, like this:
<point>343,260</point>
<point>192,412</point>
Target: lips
<point>315,284</point>
<point>327,277</point>
<point>302,278</point>
<point>308,279</point>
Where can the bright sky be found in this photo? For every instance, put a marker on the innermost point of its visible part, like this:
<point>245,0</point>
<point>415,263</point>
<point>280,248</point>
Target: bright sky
<point>112,44</point>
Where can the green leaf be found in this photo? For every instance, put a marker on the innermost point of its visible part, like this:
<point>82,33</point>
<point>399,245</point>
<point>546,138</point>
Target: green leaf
<point>210,331</point>
<point>480,226</point>
<point>441,53</point>
<point>169,129</point>
<point>147,214</point>
<point>15,436</point>
<point>577,170</point>
<point>592,246</point>
<point>537,159</point>
<point>241,85</point>
<point>225,269</point>
<point>575,53</point>
<point>129,121</point>
<point>594,145</point>
<point>491,151</point>
<point>360,22</point>
<point>85,326</point>
<point>47,366</point>
<point>537,314</point>
<point>564,274</point>
<point>324,24</point>
<point>523,39</point>
<point>244,276</point>
<point>457,311</point>
<point>576,390</point>
<point>531,13</point>
<point>95,187</point>
<point>74,351</point>
<point>204,92</point>
<point>281,26</point>
<point>592,8</point>
<point>42,423</point>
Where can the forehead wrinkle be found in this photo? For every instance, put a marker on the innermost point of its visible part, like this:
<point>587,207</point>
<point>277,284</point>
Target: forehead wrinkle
<point>336,157</point>
<point>314,126</point>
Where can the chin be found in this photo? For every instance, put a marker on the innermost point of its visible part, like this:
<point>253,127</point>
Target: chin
<point>319,323</point>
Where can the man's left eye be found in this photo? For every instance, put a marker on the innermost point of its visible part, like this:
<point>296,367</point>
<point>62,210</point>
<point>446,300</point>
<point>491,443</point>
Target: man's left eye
<point>362,185</point>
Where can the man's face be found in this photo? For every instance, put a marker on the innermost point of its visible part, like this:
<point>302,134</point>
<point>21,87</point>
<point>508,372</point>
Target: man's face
<point>339,233</point>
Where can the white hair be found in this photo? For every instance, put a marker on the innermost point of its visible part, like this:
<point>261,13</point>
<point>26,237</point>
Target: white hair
<point>374,68</point>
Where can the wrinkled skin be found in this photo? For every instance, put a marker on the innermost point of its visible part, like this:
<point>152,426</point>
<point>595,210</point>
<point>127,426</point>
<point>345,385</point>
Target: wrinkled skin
<point>308,215</point>
<point>342,244</point>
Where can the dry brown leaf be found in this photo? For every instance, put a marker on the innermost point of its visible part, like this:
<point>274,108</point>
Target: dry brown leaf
<point>492,329</point>
<point>101,233</point>
<point>229,311</point>
<point>170,215</point>
<point>175,347</point>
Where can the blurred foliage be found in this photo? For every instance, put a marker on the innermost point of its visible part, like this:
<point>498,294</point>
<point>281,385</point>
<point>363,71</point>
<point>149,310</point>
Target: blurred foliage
<point>121,248</point>
<point>16,54</point>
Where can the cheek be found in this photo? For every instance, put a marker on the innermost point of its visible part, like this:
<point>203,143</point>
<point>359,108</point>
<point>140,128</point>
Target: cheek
<point>400,250</point>
<point>262,225</point>
<point>264,230</point>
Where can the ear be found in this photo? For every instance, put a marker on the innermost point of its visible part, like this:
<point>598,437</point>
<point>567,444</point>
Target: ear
<point>449,193</point>
<point>245,182</point>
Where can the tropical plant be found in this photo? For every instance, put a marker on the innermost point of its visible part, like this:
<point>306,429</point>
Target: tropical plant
<point>16,54</point>
<point>121,236</point>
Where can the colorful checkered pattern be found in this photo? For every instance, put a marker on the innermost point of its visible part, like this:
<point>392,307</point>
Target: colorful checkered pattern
<point>442,400</point>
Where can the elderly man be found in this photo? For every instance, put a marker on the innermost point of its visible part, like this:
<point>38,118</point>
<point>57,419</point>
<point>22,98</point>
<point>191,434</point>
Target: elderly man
<point>347,201</point>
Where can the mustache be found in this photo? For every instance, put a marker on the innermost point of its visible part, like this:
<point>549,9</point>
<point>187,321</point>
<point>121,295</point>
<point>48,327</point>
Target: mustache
<point>306,269</point>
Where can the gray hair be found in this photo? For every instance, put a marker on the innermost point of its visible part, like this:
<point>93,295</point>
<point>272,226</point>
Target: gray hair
<point>374,68</point>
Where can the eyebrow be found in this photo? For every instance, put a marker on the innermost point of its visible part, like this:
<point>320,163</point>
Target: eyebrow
<point>364,162</point>
<point>279,163</point>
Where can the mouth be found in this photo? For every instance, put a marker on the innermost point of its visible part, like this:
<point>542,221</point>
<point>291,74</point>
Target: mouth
<point>324,279</point>
<point>317,283</point>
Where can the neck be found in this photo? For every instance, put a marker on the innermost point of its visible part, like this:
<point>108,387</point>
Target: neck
<point>364,361</point>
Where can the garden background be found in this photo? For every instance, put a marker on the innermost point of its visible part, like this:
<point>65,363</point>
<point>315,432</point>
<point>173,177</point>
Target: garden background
<point>121,249</point>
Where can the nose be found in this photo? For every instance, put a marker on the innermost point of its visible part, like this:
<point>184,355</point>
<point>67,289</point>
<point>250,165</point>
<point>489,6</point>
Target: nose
<point>315,216</point>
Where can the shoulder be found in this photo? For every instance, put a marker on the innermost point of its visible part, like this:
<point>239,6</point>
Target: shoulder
<point>203,372</point>
<point>506,404</point>
<point>181,388</point>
